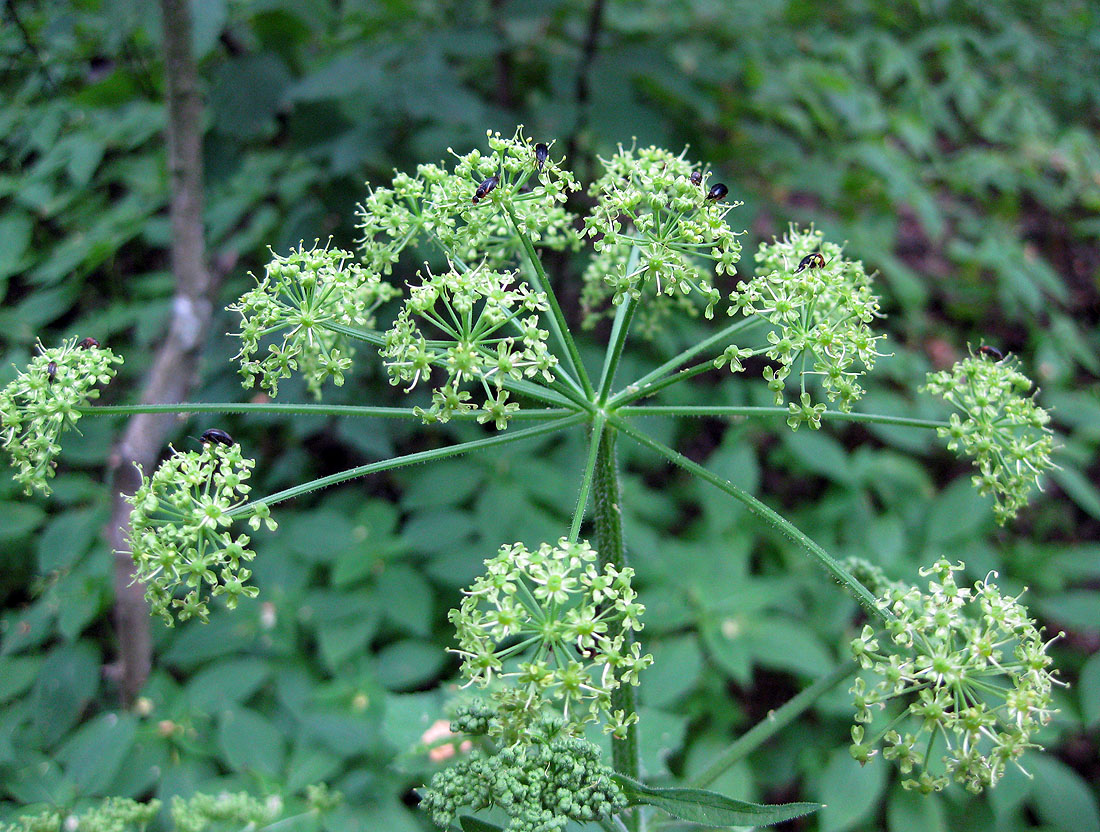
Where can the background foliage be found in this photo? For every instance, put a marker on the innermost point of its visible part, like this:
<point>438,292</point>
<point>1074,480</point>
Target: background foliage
<point>953,145</point>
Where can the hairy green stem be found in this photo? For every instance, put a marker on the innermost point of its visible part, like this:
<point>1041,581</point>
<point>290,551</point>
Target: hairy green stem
<point>775,520</point>
<point>558,324</point>
<point>775,722</point>
<point>724,411</point>
<point>609,538</point>
<point>681,357</point>
<point>408,459</point>
<point>589,472</point>
<point>300,409</point>
<point>371,337</point>
<point>619,329</point>
<point>655,387</point>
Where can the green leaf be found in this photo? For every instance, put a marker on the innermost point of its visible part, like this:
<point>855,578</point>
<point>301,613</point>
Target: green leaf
<point>97,751</point>
<point>1062,798</point>
<point>710,808</point>
<point>407,599</point>
<point>227,682</point>
<point>472,824</point>
<point>851,791</point>
<point>250,742</point>
<point>1077,609</point>
<point>67,537</point>
<point>1088,690</point>
<point>16,675</point>
<point>68,681</point>
<point>408,663</point>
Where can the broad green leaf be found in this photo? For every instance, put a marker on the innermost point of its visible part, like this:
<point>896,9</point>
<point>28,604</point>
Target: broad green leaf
<point>1062,797</point>
<point>66,684</point>
<point>408,663</point>
<point>1077,609</point>
<point>227,682</point>
<point>710,808</point>
<point>67,537</point>
<point>406,598</point>
<point>94,754</point>
<point>16,675</point>
<point>249,742</point>
<point>677,663</point>
<point>850,791</point>
<point>910,810</point>
<point>1088,690</point>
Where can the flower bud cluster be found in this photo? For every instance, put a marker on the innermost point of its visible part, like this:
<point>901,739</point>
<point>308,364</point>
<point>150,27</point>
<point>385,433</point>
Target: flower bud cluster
<point>203,812</point>
<point>179,531</point>
<point>299,297</point>
<point>820,314</point>
<point>43,401</point>
<point>489,332</point>
<point>114,814</point>
<point>971,668</point>
<point>555,628</point>
<point>542,783</point>
<point>1000,427</point>
<point>438,206</point>
<point>657,232</point>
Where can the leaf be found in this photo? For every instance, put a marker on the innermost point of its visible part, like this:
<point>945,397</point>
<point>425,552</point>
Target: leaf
<point>66,538</point>
<point>250,742</point>
<point>710,808</point>
<point>68,681</point>
<point>852,791</point>
<point>472,824</point>
<point>94,755</point>
<point>226,682</point>
<point>408,663</point>
<point>1062,798</point>
<point>1088,690</point>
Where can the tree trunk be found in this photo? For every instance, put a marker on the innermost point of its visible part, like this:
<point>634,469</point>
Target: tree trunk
<point>174,367</point>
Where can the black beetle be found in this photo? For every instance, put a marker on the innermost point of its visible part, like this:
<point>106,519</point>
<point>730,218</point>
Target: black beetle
<point>542,153</point>
<point>217,436</point>
<point>718,191</point>
<point>811,261</point>
<point>696,177</point>
<point>991,352</point>
<point>51,371</point>
<point>484,188</point>
<point>88,343</point>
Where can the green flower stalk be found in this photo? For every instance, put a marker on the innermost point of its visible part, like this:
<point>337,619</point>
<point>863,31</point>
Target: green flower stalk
<point>553,628</point>
<point>998,425</point>
<point>646,201</point>
<point>298,297</point>
<point>44,401</point>
<point>179,531</point>
<point>971,668</point>
<point>820,312</point>
<point>542,783</point>
<point>490,334</point>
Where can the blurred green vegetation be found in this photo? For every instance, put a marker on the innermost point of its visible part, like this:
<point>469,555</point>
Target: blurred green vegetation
<point>954,146</point>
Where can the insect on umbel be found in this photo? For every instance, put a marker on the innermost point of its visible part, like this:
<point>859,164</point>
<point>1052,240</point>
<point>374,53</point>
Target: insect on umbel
<point>696,177</point>
<point>51,371</point>
<point>484,188</point>
<point>88,343</point>
<point>217,436</point>
<point>811,261</point>
<point>718,191</point>
<point>542,153</point>
<point>991,352</point>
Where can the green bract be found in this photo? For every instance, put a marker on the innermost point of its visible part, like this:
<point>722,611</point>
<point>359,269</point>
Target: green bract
<point>1001,427</point>
<point>542,782</point>
<point>436,206</point>
<point>971,667</point>
<point>820,317</point>
<point>41,403</point>
<point>300,296</point>
<point>657,233</point>
<point>573,622</point>
<point>490,336</point>
<point>179,531</point>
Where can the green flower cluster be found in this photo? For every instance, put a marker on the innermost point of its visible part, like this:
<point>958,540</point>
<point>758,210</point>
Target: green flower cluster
<point>299,299</point>
<point>972,667</point>
<point>179,531</point>
<point>490,334</point>
<point>1001,427</point>
<point>542,783</point>
<point>115,814</point>
<point>656,230</point>
<point>438,206</point>
<point>241,810</point>
<point>820,312</point>
<point>44,401</point>
<point>554,627</point>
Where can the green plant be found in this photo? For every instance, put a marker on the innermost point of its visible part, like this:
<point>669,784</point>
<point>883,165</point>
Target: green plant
<point>551,632</point>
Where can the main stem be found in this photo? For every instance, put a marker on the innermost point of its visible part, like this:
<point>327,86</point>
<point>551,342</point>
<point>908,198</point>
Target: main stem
<point>609,540</point>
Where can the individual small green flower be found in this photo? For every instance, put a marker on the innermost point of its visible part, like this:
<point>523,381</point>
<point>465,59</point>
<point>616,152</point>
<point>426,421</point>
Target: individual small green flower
<point>43,402</point>
<point>437,206</point>
<point>179,531</point>
<point>490,334</point>
<point>1000,427</point>
<point>203,812</point>
<point>971,668</point>
<point>821,316</point>
<point>542,782</point>
<point>656,229</point>
<point>299,297</point>
<point>573,622</point>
